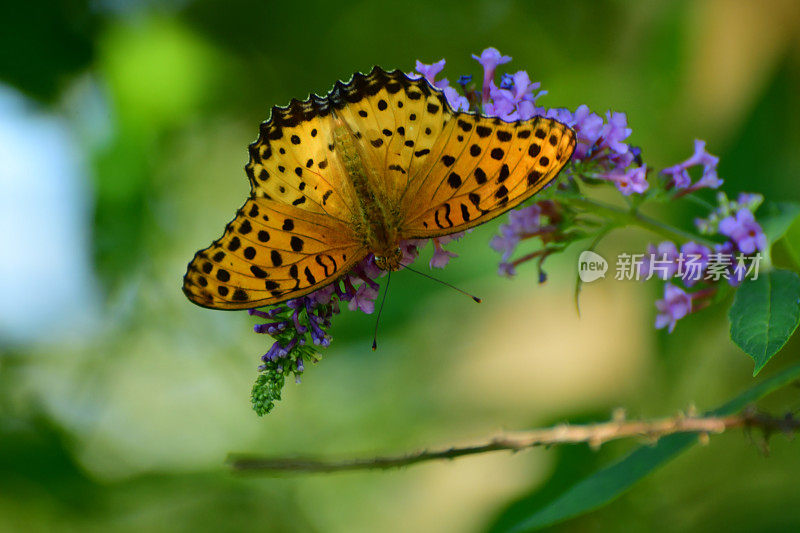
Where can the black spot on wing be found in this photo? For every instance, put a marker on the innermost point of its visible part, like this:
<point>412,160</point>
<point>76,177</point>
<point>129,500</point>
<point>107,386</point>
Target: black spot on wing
<point>454,180</point>
<point>240,295</point>
<point>296,243</point>
<point>504,173</point>
<point>503,135</point>
<point>328,264</point>
<point>309,276</point>
<point>258,272</point>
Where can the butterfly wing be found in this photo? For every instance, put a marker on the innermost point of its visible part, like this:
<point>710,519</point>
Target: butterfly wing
<point>294,234</point>
<point>483,168</point>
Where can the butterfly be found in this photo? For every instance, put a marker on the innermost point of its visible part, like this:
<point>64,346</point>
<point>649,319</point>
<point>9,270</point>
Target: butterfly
<point>380,159</point>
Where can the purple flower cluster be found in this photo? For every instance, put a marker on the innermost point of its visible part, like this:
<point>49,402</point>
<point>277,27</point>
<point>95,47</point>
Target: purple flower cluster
<point>541,220</point>
<point>680,179</point>
<point>602,147</point>
<point>728,209</point>
<point>675,305</point>
<point>745,233</point>
<point>522,223</point>
<point>733,220</point>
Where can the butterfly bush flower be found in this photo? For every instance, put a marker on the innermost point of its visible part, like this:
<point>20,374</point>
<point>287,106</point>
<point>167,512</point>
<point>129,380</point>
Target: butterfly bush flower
<point>679,177</point>
<point>615,131</point>
<point>601,145</point>
<point>441,257</point>
<point>726,207</point>
<point>521,223</point>
<point>429,72</point>
<point>364,298</point>
<point>515,99</point>
<point>744,231</point>
<point>587,125</point>
<point>490,59</point>
<point>675,305</point>
<point>633,180</point>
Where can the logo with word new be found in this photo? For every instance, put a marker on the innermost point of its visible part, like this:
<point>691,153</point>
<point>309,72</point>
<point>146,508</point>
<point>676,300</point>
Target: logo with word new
<point>591,266</point>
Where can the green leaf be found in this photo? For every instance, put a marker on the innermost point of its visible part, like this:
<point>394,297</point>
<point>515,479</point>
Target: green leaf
<point>764,314</point>
<point>609,483</point>
<point>775,219</point>
<point>792,240</point>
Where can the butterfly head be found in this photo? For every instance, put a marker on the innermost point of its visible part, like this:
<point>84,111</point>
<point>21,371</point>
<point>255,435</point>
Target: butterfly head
<point>389,259</point>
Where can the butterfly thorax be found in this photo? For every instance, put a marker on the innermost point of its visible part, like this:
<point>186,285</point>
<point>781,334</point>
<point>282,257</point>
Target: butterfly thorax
<point>374,219</point>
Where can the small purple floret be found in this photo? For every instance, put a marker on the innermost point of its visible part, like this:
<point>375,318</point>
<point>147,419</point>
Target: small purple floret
<point>679,174</point>
<point>744,231</point>
<point>490,59</point>
<point>675,305</point>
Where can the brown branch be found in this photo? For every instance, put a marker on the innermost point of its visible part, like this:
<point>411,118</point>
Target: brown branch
<point>593,434</point>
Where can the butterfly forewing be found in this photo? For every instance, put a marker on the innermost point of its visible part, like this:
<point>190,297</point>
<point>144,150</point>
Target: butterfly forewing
<point>495,168</point>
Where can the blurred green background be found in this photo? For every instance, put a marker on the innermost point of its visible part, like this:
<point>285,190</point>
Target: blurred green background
<point>123,133</point>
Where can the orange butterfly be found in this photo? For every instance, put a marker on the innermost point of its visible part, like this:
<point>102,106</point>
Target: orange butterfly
<point>379,160</point>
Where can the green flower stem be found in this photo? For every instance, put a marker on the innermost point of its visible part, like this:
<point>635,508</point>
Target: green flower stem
<point>631,217</point>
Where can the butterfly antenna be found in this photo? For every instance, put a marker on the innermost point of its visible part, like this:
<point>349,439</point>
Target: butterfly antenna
<point>437,280</point>
<point>380,310</point>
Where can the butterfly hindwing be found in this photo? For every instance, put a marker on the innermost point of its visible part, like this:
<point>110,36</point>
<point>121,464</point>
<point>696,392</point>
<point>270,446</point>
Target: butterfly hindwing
<point>269,252</point>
